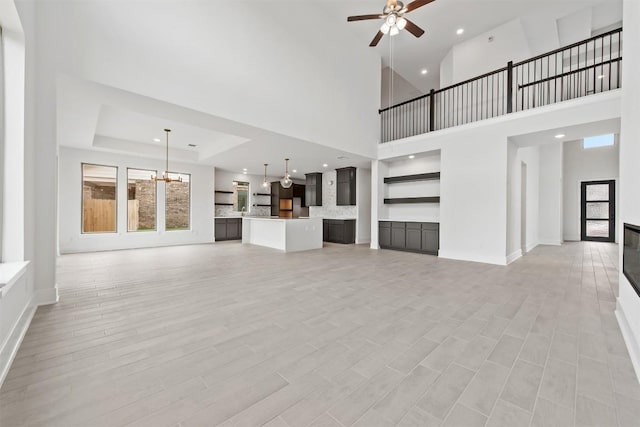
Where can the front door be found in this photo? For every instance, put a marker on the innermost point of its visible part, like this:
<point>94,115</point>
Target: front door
<point>598,204</point>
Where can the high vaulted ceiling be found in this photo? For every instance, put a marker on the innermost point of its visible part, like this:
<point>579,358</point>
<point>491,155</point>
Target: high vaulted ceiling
<point>102,117</point>
<point>440,19</point>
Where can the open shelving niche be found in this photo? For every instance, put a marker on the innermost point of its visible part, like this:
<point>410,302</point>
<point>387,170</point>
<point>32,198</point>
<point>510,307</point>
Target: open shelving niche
<point>411,190</point>
<point>220,203</point>
<point>263,205</point>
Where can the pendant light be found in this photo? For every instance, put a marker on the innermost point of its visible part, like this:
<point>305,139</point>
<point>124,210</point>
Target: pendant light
<point>265,183</point>
<point>286,180</point>
<point>165,175</point>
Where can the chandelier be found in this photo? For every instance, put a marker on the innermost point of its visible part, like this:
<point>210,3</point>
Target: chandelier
<point>165,175</point>
<point>286,179</point>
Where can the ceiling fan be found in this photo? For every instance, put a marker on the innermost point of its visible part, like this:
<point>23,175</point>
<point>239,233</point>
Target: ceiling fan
<point>394,20</point>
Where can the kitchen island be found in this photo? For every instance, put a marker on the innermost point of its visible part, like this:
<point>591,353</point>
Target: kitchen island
<point>285,234</point>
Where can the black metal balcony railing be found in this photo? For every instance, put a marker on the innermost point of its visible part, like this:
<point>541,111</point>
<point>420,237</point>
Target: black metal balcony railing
<point>581,69</point>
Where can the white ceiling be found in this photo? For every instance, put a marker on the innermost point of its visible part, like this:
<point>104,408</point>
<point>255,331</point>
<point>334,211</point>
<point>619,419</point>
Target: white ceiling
<point>571,133</point>
<point>440,20</point>
<point>96,117</point>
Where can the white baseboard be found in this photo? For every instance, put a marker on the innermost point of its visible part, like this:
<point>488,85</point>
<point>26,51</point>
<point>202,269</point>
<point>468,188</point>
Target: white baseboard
<point>45,296</point>
<point>10,349</point>
<point>632,345</point>
<point>550,242</point>
<point>532,246</point>
<point>514,256</point>
<point>473,257</point>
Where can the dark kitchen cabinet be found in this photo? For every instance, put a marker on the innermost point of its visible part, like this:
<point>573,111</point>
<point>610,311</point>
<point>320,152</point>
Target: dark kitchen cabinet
<point>398,235</point>
<point>313,189</point>
<point>275,198</point>
<point>228,229</point>
<point>339,231</point>
<point>384,234</point>
<point>430,238</point>
<point>421,237</point>
<point>413,235</point>
<point>346,186</point>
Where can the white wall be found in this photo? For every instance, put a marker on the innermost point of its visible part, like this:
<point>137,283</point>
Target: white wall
<point>20,293</point>
<point>477,56</point>
<point>70,194</point>
<point>584,165</point>
<point>575,27</point>
<point>628,306</point>
<point>551,194</point>
<point>517,156</point>
<point>473,187</point>
<point>446,70</point>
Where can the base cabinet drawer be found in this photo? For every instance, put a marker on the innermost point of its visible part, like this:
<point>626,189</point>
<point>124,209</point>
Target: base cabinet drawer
<point>421,237</point>
<point>339,231</point>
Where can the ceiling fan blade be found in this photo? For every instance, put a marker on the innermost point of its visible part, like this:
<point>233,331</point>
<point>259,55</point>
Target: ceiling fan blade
<point>362,17</point>
<point>376,39</point>
<point>413,28</point>
<point>416,4</point>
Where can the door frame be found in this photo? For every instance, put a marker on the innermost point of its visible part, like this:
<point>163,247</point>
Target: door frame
<point>612,211</point>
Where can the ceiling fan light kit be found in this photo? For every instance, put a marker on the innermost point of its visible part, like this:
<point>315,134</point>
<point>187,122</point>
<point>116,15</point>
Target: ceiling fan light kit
<point>394,19</point>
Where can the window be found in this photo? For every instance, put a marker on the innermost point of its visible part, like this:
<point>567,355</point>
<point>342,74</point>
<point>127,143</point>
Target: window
<point>242,196</point>
<point>99,198</point>
<point>178,202</point>
<point>599,141</point>
<point>141,200</point>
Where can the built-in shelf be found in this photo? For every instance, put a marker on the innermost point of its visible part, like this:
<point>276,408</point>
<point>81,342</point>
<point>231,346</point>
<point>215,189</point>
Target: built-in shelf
<point>284,210</point>
<point>412,178</point>
<point>224,204</point>
<point>264,206</point>
<point>223,192</point>
<point>262,194</point>
<point>407,200</point>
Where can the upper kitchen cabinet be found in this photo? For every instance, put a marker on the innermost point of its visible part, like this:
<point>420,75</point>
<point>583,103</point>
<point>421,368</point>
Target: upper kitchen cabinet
<point>346,186</point>
<point>313,189</point>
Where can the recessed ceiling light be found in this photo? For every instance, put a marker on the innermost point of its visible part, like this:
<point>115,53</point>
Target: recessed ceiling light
<point>424,71</point>
<point>560,136</point>
<point>325,165</point>
<point>245,172</point>
<point>412,156</point>
<point>244,169</point>
<point>601,76</point>
<point>294,171</point>
<point>460,31</point>
<point>156,139</point>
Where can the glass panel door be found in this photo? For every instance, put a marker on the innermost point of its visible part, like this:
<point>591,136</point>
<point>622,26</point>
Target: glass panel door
<point>598,221</point>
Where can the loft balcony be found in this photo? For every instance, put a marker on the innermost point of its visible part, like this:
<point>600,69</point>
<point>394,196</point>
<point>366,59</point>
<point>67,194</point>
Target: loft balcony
<point>584,68</point>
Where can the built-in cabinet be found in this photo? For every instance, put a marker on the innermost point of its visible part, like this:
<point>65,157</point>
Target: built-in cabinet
<point>339,231</point>
<point>422,237</point>
<point>282,199</point>
<point>346,186</point>
<point>228,229</point>
<point>313,189</point>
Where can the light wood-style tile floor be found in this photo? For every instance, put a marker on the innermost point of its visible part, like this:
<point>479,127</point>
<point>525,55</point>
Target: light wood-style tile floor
<point>235,335</point>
